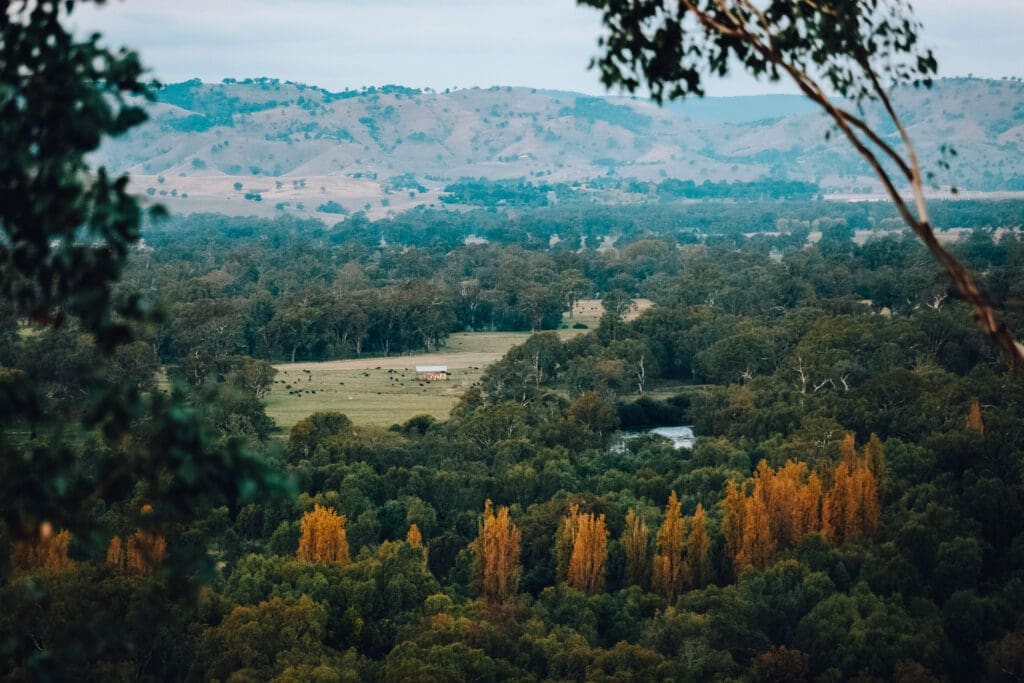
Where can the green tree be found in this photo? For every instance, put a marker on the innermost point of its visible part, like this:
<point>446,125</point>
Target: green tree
<point>67,233</point>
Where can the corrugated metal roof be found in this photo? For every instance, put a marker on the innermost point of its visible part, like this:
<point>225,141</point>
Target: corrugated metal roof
<point>431,368</point>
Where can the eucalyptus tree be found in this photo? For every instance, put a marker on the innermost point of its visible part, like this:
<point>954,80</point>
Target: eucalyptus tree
<point>854,49</point>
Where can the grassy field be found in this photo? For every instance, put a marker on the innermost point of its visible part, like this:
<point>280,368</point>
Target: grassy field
<point>385,391</point>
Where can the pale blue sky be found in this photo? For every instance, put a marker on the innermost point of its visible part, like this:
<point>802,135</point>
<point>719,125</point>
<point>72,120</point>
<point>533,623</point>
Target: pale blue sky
<point>464,43</point>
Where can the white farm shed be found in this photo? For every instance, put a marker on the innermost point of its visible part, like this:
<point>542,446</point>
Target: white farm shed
<point>432,373</point>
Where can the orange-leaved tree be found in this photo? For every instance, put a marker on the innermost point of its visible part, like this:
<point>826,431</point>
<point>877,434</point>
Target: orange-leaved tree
<point>635,540</point>
<point>141,554</point>
<point>734,507</point>
<point>415,539</point>
<point>44,550</point>
<point>851,508</point>
<point>323,536</point>
<point>146,550</point>
<point>974,422</point>
<point>759,543</point>
<point>697,563</point>
<point>589,554</point>
<point>667,568</point>
<point>496,554</point>
<point>564,539</point>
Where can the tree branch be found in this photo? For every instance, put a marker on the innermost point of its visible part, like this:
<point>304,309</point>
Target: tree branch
<point>984,314</point>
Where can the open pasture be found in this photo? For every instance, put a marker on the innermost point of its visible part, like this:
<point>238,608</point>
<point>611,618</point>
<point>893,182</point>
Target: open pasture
<point>385,391</point>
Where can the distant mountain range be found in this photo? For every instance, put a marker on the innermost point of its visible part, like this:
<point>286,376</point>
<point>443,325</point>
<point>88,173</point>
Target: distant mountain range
<point>262,146</point>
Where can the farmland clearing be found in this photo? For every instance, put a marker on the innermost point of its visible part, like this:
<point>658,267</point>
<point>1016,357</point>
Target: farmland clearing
<point>383,391</point>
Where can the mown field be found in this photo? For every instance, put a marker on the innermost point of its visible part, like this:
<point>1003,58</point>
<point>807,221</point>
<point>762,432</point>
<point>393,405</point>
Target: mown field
<point>385,391</point>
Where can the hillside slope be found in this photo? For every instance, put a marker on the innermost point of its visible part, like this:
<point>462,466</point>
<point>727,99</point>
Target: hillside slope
<point>263,146</point>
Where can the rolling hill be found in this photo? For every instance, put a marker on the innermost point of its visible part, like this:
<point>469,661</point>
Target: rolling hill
<point>261,146</point>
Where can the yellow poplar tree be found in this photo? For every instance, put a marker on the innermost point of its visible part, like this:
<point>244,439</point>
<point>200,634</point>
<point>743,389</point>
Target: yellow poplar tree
<point>635,544</point>
<point>783,499</point>
<point>141,553</point>
<point>667,568</point>
<point>697,563</point>
<point>834,509</point>
<point>807,517</point>
<point>564,541</point>
<point>46,550</point>
<point>758,543</point>
<point>115,553</point>
<point>869,513</point>
<point>586,569</point>
<point>851,508</point>
<point>974,422</point>
<point>415,539</point>
<point>496,551</point>
<point>145,552</point>
<point>734,509</point>
<point>323,537</point>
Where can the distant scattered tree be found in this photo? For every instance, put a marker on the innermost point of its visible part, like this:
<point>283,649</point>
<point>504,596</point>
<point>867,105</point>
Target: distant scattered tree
<point>311,431</point>
<point>252,375</point>
<point>781,665</point>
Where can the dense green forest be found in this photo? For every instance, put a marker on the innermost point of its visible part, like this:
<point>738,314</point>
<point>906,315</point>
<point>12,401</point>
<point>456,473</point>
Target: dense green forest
<point>294,290</point>
<point>853,505</point>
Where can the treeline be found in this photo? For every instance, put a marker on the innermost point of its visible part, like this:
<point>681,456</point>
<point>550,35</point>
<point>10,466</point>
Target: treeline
<point>293,291</point>
<point>285,290</point>
<point>523,193</point>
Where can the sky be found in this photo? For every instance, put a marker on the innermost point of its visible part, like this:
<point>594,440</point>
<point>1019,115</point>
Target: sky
<point>457,43</point>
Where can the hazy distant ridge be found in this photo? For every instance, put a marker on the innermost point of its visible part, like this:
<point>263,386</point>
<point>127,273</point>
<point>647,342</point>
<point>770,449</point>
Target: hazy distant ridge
<point>358,140</point>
